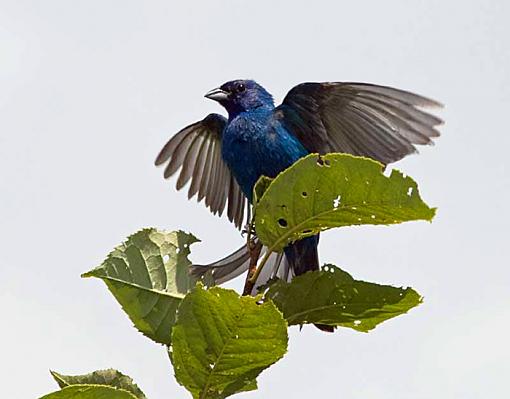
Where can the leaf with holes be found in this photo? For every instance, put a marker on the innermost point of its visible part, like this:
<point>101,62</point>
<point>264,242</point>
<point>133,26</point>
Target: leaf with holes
<point>148,275</point>
<point>331,296</point>
<point>319,193</point>
<point>110,377</point>
<point>222,342</point>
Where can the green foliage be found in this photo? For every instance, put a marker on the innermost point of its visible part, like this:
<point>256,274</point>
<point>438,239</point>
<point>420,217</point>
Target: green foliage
<point>102,384</point>
<point>89,392</point>
<point>222,341</point>
<point>331,296</point>
<point>319,193</point>
<point>218,341</point>
<point>148,275</point>
<point>110,377</point>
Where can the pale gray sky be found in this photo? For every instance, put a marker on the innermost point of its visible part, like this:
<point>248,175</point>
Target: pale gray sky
<point>90,91</point>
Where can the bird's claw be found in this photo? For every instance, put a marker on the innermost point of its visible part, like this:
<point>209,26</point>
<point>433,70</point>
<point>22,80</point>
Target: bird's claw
<point>248,229</point>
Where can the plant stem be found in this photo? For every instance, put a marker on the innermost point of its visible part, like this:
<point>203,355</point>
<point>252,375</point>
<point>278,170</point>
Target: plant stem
<point>253,278</point>
<point>254,248</point>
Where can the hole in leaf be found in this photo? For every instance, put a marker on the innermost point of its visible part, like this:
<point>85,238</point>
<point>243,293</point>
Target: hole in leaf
<point>327,162</point>
<point>409,191</point>
<point>304,194</point>
<point>307,231</point>
<point>282,222</point>
<point>336,201</point>
<point>166,258</point>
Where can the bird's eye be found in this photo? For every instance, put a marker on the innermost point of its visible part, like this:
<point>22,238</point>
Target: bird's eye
<point>240,88</point>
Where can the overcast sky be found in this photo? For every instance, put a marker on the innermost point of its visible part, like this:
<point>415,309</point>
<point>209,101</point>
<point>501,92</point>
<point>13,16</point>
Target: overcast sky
<point>90,91</point>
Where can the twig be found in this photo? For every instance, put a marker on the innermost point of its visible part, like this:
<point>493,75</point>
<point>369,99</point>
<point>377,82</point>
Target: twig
<point>254,248</point>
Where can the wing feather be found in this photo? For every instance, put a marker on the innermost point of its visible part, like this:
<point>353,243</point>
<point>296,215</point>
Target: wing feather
<point>189,162</point>
<point>196,152</point>
<point>363,119</point>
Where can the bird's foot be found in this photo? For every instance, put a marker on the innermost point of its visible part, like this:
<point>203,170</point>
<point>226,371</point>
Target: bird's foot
<point>249,229</point>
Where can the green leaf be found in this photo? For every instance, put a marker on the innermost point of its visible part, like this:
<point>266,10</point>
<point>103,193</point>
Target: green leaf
<point>222,342</point>
<point>331,296</point>
<point>319,193</point>
<point>148,275</point>
<point>89,392</point>
<point>261,186</point>
<point>110,377</point>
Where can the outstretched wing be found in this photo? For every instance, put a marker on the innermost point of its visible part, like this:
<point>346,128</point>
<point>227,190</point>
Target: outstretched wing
<point>196,151</point>
<point>362,119</point>
<point>238,262</point>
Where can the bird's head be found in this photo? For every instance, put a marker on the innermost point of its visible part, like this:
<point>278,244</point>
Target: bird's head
<point>241,95</point>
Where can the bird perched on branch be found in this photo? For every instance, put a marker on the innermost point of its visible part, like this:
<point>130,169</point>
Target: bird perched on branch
<point>224,158</point>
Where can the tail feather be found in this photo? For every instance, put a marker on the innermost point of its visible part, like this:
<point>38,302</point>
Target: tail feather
<point>302,255</point>
<point>238,263</point>
<point>225,269</point>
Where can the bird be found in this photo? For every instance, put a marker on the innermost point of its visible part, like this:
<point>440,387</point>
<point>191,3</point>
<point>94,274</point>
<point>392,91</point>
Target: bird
<point>223,157</point>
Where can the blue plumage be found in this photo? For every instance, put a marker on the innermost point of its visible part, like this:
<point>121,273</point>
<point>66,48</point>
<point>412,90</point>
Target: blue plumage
<point>225,158</point>
<point>255,145</point>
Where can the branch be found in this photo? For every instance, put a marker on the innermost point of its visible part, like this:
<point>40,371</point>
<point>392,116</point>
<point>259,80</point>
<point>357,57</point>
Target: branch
<point>254,248</point>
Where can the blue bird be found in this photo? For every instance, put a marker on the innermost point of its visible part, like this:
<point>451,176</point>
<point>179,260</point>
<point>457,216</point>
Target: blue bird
<point>224,158</point>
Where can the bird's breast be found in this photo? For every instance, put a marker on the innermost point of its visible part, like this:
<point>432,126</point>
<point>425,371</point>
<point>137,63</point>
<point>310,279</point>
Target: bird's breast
<point>257,147</point>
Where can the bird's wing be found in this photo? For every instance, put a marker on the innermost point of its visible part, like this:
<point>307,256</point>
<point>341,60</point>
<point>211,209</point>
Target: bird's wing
<point>196,151</point>
<point>238,262</point>
<point>362,119</point>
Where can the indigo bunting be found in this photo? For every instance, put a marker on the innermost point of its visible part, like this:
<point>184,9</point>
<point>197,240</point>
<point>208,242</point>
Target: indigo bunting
<point>224,158</point>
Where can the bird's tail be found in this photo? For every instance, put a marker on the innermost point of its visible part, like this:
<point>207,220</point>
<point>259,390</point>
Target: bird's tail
<point>302,257</point>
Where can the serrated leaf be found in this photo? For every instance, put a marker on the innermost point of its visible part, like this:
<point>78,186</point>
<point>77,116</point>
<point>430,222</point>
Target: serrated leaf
<point>110,377</point>
<point>90,392</point>
<point>222,342</point>
<point>319,193</point>
<point>331,296</point>
<point>148,275</point>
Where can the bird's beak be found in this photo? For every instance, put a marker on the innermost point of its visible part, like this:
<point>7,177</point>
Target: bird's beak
<point>217,94</point>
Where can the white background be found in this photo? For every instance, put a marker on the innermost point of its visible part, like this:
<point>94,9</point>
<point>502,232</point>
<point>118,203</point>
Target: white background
<point>90,91</point>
